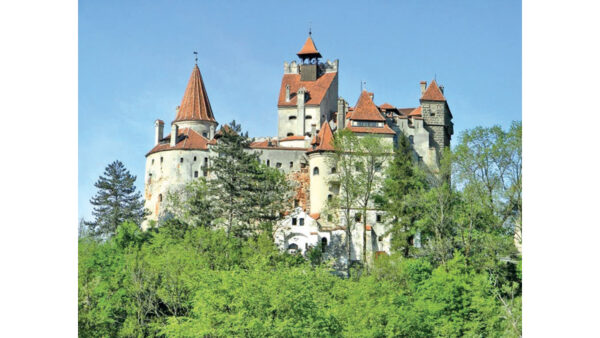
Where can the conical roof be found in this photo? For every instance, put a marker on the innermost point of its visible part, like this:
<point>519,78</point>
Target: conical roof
<point>309,49</point>
<point>195,104</point>
<point>324,140</point>
<point>365,109</point>
<point>433,93</point>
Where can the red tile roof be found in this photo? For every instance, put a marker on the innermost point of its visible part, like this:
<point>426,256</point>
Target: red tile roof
<point>187,139</point>
<point>315,89</point>
<point>371,130</point>
<point>387,106</point>
<point>324,140</point>
<point>416,112</point>
<point>365,109</point>
<point>292,138</point>
<point>309,49</point>
<point>195,104</point>
<point>405,111</point>
<point>433,93</point>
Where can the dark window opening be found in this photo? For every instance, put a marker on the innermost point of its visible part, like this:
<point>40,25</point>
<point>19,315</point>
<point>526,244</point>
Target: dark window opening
<point>323,244</point>
<point>293,246</point>
<point>194,158</point>
<point>357,217</point>
<point>371,124</point>
<point>291,164</point>
<point>268,163</point>
<point>293,117</point>
<point>329,197</point>
<point>290,134</point>
<point>160,197</point>
<point>152,161</point>
<point>377,167</point>
<point>196,173</point>
<point>333,170</point>
<point>308,117</point>
<point>206,161</point>
<point>161,160</point>
<point>181,160</point>
<point>294,221</point>
<point>378,218</point>
<point>301,221</point>
<point>296,202</point>
<point>316,171</point>
<point>278,165</point>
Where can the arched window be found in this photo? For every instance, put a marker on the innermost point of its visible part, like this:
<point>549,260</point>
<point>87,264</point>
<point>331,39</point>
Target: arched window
<point>315,171</point>
<point>308,117</point>
<point>181,160</point>
<point>333,170</point>
<point>293,246</point>
<point>329,197</point>
<point>290,134</point>
<point>292,117</point>
<point>160,197</point>
<point>194,158</point>
<point>268,163</point>
<point>323,244</point>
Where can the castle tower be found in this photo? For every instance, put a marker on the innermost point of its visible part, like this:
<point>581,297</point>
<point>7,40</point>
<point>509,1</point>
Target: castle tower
<point>321,168</point>
<point>308,93</point>
<point>436,115</point>
<point>195,111</point>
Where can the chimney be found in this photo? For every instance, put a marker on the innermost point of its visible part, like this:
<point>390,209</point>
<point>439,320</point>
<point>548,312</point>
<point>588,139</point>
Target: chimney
<point>211,133</point>
<point>174,132</point>
<point>313,130</point>
<point>341,113</point>
<point>423,87</point>
<point>301,96</point>
<point>159,126</point>
<point>287,93</point>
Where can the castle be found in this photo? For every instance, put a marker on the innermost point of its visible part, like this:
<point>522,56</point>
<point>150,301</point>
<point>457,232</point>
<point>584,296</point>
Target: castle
<point>309,112</point>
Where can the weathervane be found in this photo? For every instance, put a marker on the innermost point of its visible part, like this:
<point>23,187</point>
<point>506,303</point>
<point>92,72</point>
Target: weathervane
<point>310,28</point>
<point>196,53</point>
<point>361,85</point>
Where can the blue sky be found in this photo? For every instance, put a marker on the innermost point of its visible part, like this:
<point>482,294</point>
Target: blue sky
<point>135,58</point>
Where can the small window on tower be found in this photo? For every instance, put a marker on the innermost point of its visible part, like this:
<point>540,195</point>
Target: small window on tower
<point>378,218</point>
<point>268,163</point>
<point>205,134</point>
<point>308,117</point>
<point>206,161</point>
<point>357,217</point>
<point>181,160</point>
<point>161,160</point>
<point>278,165</point>
<point>290,134</point>
<point>315,171</point>
<point>333,170</point>
<point>291,164</point>
<point>301,221</point>
<point>160,197</point>
<point>292,117</point>
<point>152,161</point>
<point>329,197</point>
<point>194,158</point>
<point>294,221</point>
<point>196,173</point>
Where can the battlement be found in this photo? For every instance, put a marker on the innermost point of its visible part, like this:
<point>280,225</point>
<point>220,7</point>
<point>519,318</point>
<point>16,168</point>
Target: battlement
<point>324,67</point>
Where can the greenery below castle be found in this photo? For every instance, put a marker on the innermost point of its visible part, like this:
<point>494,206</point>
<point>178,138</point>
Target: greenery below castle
<point>190,278</point>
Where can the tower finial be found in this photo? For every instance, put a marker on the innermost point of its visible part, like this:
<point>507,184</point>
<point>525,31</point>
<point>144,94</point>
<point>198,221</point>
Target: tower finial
<point>310,28</point>
<point>196,53</point>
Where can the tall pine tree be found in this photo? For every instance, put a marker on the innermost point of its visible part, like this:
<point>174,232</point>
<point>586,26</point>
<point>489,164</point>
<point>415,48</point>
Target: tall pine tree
<point>116,201</point>
<point>404,180</point>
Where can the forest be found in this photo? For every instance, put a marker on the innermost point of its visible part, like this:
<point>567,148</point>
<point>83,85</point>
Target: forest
<point>210,267</point>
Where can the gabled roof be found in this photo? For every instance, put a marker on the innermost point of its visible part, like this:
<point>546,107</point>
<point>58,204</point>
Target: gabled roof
<point>365,109</point>
<point>315,90</point>
<point>387,106</point>
<point>309,49</point>
<point>324,140</point>
<point>195,104</point>
<point>433,93</point>
<point>187,139</point>
<point>416,112</point>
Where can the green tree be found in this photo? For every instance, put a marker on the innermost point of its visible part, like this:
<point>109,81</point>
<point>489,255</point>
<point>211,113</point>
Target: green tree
<point>116,201</point>
<point>404,183</point>
<point>191,204</point>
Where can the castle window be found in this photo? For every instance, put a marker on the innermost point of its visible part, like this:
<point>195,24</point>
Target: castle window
<point>290,134</point>
<point>378,218</point>
<point>196,173</point>
<point>357,217</point>
<point>291,164</point>
<point>293,246</point>
<point>294,221</point>
<point>296,203</point>
<point>205,134</point>
<point>377,167</point>
<point>149,178</point>
<point>181,160</point>
<point>278,165</point>
<point>152,161</point>
<point>268,163</point>
<point>301,221</point>
<point>333,170</point>
<point>329,197</point>
<point>292,117</point>
<point>315,171</point>
<point>160,197</point>
<point>161,160</point>
<point>194,158</point>
<point>323,244</point>
<point>206,161</point>
<point>308,117</point>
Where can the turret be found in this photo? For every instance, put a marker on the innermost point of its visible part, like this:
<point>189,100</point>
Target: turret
<point>436,116</point>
